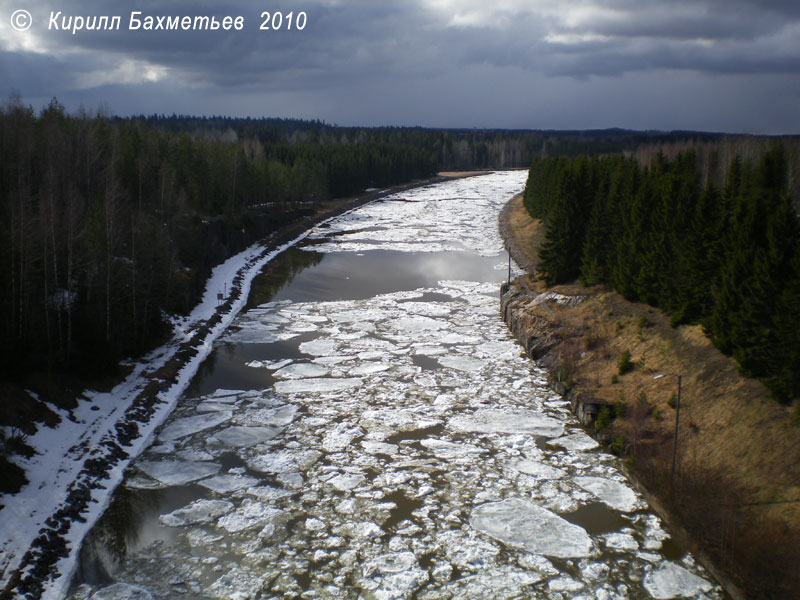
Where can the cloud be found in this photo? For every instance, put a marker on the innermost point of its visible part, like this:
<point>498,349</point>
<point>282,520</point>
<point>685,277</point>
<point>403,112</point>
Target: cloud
<point>366,55</point>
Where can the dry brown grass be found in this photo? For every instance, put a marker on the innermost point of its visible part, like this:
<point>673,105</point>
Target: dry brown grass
<point>458,174</point>
<point>732,435</point>
<point>528,233</point>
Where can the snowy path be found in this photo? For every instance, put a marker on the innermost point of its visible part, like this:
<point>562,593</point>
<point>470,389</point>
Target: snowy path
<point>87,454</point>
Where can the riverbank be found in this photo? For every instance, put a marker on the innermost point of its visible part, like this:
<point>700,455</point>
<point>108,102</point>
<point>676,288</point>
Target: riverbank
<point>78,463</point>
<point>736,488</point>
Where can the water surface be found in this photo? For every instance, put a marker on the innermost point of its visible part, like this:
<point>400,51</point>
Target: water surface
<point>368,429</point>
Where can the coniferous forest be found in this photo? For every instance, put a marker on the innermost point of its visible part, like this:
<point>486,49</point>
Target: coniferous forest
<point>709,242</point>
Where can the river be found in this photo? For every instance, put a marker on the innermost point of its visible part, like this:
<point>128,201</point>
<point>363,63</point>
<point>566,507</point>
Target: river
<point>367,428</point>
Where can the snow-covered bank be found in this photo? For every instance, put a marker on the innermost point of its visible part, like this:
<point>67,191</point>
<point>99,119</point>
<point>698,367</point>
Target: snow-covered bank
<point>79,463</point>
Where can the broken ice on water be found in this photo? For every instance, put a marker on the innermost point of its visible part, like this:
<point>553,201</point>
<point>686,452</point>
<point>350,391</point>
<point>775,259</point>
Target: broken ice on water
<point>406,449</point>
<point>249,515</point>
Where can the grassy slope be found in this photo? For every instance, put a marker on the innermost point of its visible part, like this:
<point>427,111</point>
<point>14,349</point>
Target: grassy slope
<point>738,484</point>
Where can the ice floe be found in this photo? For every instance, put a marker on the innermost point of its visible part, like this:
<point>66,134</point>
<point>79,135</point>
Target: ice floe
<point>176,472</point>
<point>279,416</point>
<point>301,371</point>
<point>391,576</point>
<point>249,515</point>
<point>536,469</point>
<point>319,347</point>
<point>191,425</point>
<point>522,524</point>
<point>225,484</point>
<point>622,542</point>
<point>674,581</point>
<point>576,442</point>
<point>616,495</point>
<point>449,450</point>
<point>461,363</point>
<point>284,461</point>
<point>508,421</point>
<point>317,386</point>
<point>346,481</point>
<point>239,436</point>
<point>199,511</point>
<point>122,591</point>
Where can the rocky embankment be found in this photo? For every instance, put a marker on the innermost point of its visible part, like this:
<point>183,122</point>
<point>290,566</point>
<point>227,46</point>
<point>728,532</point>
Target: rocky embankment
<point>735,486</point>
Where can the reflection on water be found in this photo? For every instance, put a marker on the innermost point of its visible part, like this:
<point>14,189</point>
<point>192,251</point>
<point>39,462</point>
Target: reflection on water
<point>279,273</point>
<point>129,524</point>
<point>597,518</point>
<point>357,275</point>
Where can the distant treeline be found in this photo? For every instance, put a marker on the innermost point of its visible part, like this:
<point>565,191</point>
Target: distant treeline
<point>453,149</point>
<point>708,241</point>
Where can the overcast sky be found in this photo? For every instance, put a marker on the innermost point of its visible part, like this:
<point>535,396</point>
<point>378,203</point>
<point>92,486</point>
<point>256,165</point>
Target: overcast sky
<point>714,65</point>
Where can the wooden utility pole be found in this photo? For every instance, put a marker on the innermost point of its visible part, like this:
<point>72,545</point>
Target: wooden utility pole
<point>675,443</point>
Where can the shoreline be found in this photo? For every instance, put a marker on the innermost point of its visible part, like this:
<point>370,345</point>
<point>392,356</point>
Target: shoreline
<point>724,420</point>
<point>677,530</point>
<point>81,466</point>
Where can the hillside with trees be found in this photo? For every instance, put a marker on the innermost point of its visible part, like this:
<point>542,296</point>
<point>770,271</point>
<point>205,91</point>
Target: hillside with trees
<point>708,241</point>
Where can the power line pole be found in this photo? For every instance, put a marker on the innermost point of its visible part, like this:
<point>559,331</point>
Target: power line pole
<point>675,442</point>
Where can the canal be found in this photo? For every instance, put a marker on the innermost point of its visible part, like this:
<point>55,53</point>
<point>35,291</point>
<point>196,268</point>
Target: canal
<point>367,428</point>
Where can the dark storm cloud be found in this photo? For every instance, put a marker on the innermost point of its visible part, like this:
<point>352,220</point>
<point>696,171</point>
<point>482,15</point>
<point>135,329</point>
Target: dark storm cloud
<point>358,39</point>
<point>358,58</point>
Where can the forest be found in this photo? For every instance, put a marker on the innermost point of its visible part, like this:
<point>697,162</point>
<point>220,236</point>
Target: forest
<point>110,225</point>
<point>709,234</point>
